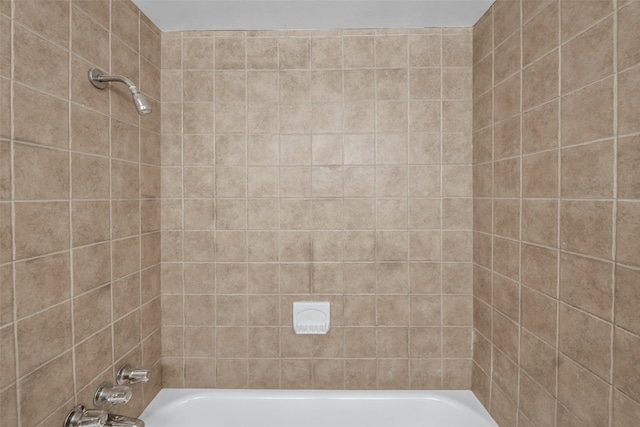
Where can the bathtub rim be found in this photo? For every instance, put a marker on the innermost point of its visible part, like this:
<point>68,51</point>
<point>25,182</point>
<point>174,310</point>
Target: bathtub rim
<point>178,396</point>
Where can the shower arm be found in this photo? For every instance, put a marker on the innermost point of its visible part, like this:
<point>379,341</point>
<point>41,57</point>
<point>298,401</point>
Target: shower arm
<point>98,79</point>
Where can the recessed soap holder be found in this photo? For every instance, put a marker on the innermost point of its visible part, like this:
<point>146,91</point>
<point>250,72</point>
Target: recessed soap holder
<point>311,317</point>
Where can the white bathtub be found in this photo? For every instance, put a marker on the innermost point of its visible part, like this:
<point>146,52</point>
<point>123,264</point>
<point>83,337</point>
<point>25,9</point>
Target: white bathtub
<point>315,408</point>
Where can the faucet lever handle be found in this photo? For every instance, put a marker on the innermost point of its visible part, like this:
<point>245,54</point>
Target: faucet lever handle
<point>108,394</point>
<point>83,417</point>
<point>132,375</point>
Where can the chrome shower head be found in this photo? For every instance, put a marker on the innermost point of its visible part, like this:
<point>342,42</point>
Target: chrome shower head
<point>99,79</point>
<point>141,103</point>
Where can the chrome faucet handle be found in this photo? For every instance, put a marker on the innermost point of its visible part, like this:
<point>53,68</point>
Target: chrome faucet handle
<point>83,417</point>
<point>132,375</point>
<point>108,394</point>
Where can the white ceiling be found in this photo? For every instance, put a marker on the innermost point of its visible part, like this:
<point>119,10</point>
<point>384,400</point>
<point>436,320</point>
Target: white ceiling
<point>186,15</point>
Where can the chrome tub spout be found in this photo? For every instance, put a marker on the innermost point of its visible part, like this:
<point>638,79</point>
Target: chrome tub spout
<point>115,420</point>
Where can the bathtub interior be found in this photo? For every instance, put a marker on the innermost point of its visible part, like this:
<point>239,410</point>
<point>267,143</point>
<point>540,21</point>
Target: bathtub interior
<point>315,408</point>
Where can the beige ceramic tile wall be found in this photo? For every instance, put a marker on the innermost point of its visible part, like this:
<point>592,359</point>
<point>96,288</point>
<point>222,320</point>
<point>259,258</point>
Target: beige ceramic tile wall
<point>556,213</point>
<point>79,206</point>
<point>317,166</point>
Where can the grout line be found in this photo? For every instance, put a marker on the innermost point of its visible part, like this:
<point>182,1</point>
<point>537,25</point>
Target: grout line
<point>182,202</point>
<point>70,208</point>
<point>558,216</point>
<point>491,197</point>
<point>14,307</point>
<point>375,207</point>
<point>520,222</point>
<point>614,216</point>
<point>440,177</point>
<point>343,168</point>
<point>278,242</point>
<point>111,219</point>
<point>140,304</point>
<point>246,196</point>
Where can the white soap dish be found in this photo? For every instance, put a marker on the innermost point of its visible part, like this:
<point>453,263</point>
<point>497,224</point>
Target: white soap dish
<point>311,317</point>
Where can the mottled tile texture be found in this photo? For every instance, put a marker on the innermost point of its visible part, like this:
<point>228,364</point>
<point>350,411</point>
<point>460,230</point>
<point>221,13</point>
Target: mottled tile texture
<point>333,165</point>
<point>555,180</point>
<point>323,165</point>
<point>79,207</point>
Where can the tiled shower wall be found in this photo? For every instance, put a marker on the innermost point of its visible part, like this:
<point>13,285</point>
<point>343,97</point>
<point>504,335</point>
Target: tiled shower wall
<point>556,186</point>
<point>317,166</point>
<point>79,206</point>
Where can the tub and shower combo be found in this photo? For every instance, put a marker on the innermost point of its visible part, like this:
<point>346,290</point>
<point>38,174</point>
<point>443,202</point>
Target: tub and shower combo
<point>286,408</point>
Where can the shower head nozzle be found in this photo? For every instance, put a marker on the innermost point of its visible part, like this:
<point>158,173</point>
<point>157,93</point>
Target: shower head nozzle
<point>98,78</point>
<point>141,104</point>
